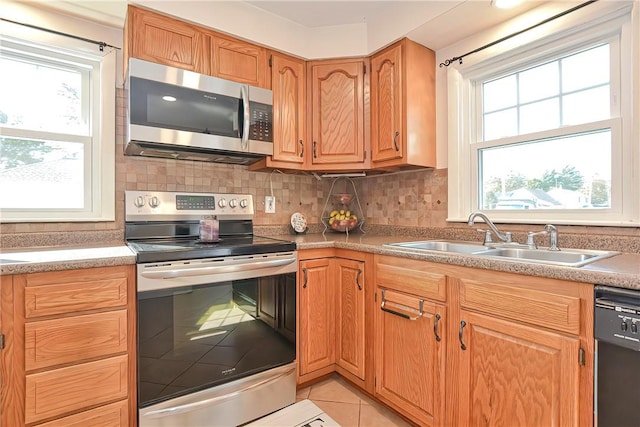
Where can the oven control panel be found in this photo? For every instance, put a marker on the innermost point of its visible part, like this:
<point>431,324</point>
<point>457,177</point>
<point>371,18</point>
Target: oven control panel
<point>168,205</point>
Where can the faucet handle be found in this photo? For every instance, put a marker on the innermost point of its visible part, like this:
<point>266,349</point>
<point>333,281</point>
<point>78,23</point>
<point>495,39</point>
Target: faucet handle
<point>488,237</point>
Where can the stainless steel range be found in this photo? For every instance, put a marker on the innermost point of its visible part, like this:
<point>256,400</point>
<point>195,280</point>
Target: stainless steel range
<point>216,317</point>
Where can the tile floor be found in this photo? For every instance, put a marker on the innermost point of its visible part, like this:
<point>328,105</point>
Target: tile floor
<point>348,406</point>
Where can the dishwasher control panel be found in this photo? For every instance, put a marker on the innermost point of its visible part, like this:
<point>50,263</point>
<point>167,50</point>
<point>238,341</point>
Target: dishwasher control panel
<point>617,317</point>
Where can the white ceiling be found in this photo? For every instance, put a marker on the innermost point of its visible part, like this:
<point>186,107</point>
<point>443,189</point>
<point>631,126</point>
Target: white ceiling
<point>441,22</point>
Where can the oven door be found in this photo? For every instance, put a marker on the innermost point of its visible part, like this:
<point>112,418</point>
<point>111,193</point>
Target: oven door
<point>215,343</point>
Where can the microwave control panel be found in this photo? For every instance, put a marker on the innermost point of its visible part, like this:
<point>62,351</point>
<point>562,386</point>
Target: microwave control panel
<point>261,128</point>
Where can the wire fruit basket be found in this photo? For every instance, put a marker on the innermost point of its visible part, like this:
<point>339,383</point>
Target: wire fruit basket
<point>341,216</point>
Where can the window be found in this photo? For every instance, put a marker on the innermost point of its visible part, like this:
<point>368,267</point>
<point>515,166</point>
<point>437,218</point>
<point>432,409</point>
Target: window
<point>57,134</point>
<point>541,133</point>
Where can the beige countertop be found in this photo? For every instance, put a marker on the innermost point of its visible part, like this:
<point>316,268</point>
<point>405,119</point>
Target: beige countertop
<point>32,260</point>
<point>622,270</point>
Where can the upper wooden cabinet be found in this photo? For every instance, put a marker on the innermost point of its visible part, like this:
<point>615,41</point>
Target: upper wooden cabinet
<point>403,106</point>
<point>239,61</point>
<point>159,38</point>
<point>337,114</point>
<point>288,83</point>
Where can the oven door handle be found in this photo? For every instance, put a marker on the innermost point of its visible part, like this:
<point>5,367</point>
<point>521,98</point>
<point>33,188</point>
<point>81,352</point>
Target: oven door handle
<point>216,399</point>
<point>217,269</point>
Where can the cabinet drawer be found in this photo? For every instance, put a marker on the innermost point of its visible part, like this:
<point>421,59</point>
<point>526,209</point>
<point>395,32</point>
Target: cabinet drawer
<point>113,415</point>
<point>540,308</point>
<point>56,392</point>
<point>411,276</point>
<point>73,339</point>
<point>64,292</point>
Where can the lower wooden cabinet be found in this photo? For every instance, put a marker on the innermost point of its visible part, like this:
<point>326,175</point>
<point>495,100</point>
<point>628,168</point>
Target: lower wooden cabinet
<point>514,349</point>
<point>410,355</point>
<point>316,295</point>
<point>350,305</point>
<point>511,374</point>
<point>71,348</point>
<point>334,334</point>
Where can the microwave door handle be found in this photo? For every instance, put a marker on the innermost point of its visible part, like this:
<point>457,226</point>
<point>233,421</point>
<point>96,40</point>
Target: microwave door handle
<point>246,111</point>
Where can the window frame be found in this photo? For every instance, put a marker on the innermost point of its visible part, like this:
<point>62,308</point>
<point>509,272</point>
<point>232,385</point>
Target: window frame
<point>99,143</point>
<point>465,121</point>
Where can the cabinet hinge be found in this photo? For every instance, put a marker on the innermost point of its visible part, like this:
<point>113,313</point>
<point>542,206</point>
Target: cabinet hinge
<point>581,357</point>
<point>364,68</point>
<point>375,297</point>
<point>365,154</point>
<point>1,341</point>
<point>270,61</point>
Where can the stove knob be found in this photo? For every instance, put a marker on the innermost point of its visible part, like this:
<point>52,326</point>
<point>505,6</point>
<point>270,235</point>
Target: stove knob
<point>222,203</point>
<point>634,328</point>
<point>243,203</point>
<point>624,326</point>
<point>139,202</point>
<point>233,203</point>
<point>154,202</point>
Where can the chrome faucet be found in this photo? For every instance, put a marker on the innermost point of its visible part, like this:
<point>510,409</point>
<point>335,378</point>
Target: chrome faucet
<point>549,229</point>
<point>505,237</point>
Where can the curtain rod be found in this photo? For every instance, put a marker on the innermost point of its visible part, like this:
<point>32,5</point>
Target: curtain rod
<point>100,44</point>
<point>459,58</point>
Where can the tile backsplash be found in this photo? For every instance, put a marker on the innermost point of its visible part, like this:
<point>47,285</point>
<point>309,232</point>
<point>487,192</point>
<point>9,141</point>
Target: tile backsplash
<point>415,199</point>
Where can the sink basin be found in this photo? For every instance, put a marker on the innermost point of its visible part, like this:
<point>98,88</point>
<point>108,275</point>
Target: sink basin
<point>567,257</point>
<point>443,246</point>
<point>564,257</point>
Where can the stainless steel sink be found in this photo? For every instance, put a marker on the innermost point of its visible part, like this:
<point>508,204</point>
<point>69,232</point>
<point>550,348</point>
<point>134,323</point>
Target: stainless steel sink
<point>564,257</point>
<point>457,247</point>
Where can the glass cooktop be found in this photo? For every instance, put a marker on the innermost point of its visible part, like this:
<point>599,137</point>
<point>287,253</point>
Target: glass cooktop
<point>179,249</point>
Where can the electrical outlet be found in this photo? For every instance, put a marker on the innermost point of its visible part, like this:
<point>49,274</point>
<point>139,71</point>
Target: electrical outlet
<point>269,204</point>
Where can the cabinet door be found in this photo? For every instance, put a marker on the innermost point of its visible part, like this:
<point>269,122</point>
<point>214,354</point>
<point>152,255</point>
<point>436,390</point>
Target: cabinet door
<point>410,349</point>
<point>317,315</point>
<point>350,342</point>
<point>239,61</point>
<point>288,86</point>
<point>157,38</point>
<point>512,374</point>
<point>387,130</point>
<point>337,112</point>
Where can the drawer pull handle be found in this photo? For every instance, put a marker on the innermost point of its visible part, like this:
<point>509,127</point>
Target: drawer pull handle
<point>301,148</point>
<point>306,277</point>
<point>358,279</point>
<point>435,327</point>
<point>395,141</point>
<point>462,344</point>
<point>384,307</point>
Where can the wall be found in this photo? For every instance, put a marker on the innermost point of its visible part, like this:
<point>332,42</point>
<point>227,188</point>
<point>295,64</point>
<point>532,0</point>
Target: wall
<point>415,200</point>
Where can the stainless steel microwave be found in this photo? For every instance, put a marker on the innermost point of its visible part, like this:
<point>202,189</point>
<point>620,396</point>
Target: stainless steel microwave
<point>179,114</point>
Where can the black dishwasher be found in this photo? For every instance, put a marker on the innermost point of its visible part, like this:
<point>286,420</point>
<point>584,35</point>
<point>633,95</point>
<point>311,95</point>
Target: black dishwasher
<point>617,376</point>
